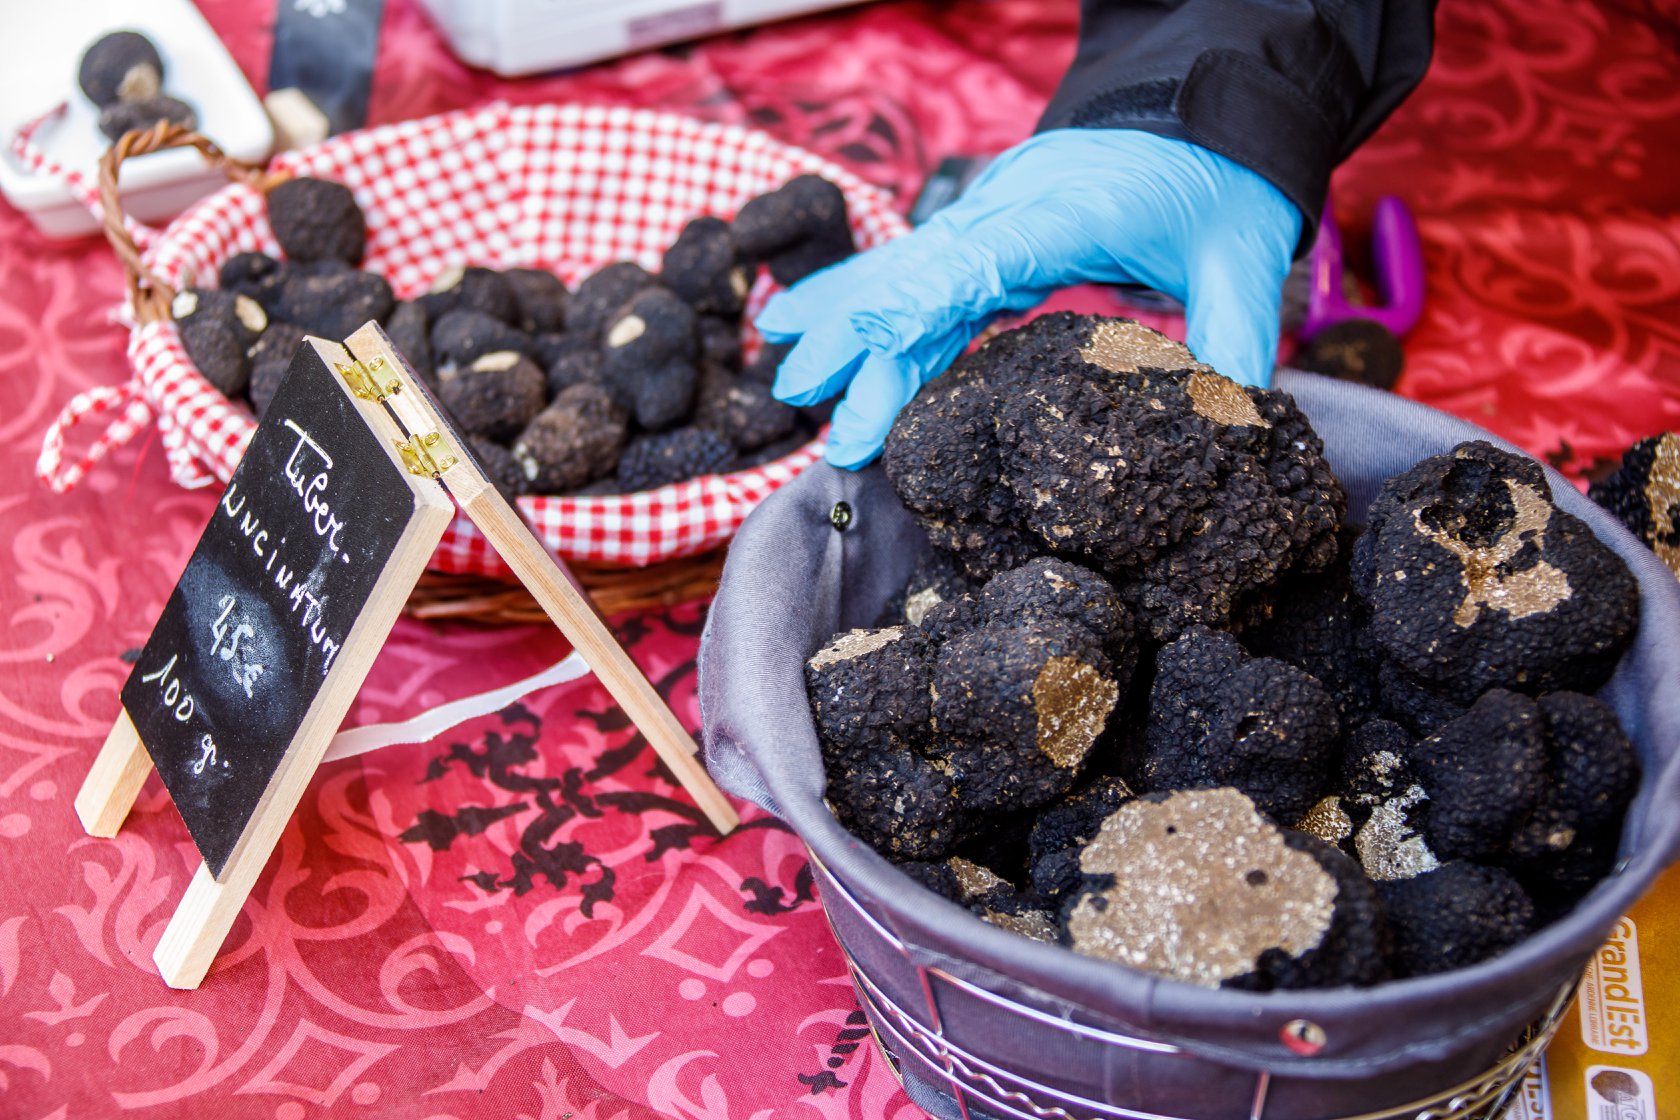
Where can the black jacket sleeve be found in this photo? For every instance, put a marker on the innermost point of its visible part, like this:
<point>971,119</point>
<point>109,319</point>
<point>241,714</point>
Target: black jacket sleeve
<point>1287,88</point>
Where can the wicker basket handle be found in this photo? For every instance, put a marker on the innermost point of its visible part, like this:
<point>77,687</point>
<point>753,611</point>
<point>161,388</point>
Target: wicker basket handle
<point>148,295</point>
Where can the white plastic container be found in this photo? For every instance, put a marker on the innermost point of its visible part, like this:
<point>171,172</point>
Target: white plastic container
<point>514,37</point>
<point>39,54</point>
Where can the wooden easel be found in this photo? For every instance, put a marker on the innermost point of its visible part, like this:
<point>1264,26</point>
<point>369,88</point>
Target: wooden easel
<point>438,465</point>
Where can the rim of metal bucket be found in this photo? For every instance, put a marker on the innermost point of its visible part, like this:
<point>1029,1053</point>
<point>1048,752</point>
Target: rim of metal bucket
<point>973,1078</point>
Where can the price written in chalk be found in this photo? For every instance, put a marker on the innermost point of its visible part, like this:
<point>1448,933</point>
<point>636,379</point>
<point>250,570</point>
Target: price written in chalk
<point>245,672</point>
<point>180,703</point>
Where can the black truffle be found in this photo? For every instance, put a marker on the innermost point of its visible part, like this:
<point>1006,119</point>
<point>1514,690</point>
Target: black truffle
<point>1316,623</point>
<point>463,336</point>
<point>935,579</point>
<point>121,66</point>
<point>471,288</point>
<point>572,442</point>
<point>1017,711</point>
<point>122,117</point>
<point>899,803</point>
<point>662,458</point>
<point>701,266</point>
<point>256,275</point>
<point>1220,718</point>
<point>271,358</point>
<point>1485,773</point>
<point>1454,916</point>
<point>1199,886</point>
<point>334,302</point>
<point>218,351</point>
<point>410,334</point>
<point>496,396</point>
<point>500,466</point>
<point>570,359</point>
<point>1359,350</point>
<point>315,219</point>
<point>661,396</point>
<point>1477,581</point>
<point>743,412</point>
<point>720,342</point>
<point>539,297</point>
<point>218,329</point>
<point>650,329</point>
<point>1049,592</point>
<point>868,687</point>
<point>1644,494</point>
<point>941,457</point>
<point>986,894</point>
<point>796,229</point>
<point>598,298</point>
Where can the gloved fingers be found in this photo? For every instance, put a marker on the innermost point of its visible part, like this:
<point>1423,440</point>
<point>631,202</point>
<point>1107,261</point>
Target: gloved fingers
<point>1231,309</point>
<point>932,294</point>
<point>879,391</point>
<point>826,357</point>
<point>824,293</point>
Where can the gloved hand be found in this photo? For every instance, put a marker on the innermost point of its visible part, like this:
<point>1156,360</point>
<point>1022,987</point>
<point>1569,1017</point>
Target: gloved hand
<point>1110,205</point>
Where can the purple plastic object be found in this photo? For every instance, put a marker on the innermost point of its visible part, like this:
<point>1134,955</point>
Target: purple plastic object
<point>1397,254</point>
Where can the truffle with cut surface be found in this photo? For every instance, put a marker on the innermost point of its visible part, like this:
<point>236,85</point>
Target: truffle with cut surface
<point>1218,717</point>
<point>598,299</point>
<point>317,219</point>
<point>500,466</point>
<point>463,336</point>
<point>1017,711</point>
<point>868,687</point>
<point>680,454</point>
<point>496,396</point>
<point>990,896</point>
<point>1454,916</point>
<point>1644,494</point>
<point>702,267</point>
<point>1476,580</point>
<point>472,288</point>
<point>1199,886</point>
<point>217,329</point>
<point>1062,830</point>
<point>257,275</point>
<point>647,357</point>
<point>121,66</point>
<point>572,442</point>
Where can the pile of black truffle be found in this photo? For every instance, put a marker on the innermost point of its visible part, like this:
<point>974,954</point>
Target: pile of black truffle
<point>632,381</point>
<point>1147,696</point>
<point>122,73</point>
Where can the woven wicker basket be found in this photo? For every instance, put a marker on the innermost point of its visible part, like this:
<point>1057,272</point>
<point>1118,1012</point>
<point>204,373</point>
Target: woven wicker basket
<point>568,188</point>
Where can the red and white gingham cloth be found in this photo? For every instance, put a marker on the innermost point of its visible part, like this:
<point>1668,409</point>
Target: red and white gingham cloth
<point>563,187</point>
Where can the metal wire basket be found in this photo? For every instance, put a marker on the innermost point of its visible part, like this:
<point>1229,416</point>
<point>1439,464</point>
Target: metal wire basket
<point>980,1088</point>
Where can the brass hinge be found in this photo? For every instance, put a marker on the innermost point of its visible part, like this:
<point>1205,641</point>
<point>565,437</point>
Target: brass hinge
<point>367,381</point>
<point>419,458</point>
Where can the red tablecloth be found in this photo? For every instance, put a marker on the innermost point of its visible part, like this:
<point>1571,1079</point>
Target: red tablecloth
<point>524,918</point>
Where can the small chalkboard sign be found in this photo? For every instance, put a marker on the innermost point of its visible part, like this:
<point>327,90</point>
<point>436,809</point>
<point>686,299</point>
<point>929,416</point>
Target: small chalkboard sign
<point>254,628</point>
<point>339,501</point>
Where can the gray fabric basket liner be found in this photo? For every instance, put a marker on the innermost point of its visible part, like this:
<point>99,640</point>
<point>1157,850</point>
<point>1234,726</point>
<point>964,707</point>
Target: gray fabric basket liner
<point>792,580</point>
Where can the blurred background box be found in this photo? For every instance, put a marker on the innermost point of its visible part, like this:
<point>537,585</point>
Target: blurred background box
<point>39,55</point>
<point>514,37</point>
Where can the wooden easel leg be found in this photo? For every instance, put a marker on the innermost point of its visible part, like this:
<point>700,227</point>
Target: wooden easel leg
<point>114,781</point>
<point>200,924</point>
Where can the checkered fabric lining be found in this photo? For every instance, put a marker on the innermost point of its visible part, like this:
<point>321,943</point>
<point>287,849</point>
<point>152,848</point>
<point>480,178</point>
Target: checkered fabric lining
<point>568,188</point>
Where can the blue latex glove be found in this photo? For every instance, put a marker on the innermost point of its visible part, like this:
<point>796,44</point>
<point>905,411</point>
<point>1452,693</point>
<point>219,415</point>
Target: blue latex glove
<point>1067,206</point>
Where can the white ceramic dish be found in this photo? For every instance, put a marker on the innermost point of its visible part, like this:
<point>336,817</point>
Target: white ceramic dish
<point>39,53</point>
